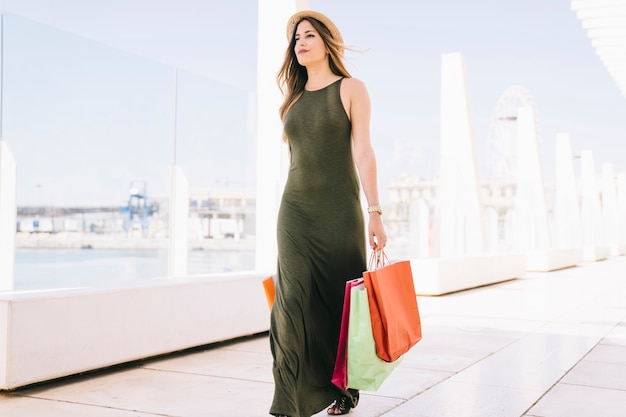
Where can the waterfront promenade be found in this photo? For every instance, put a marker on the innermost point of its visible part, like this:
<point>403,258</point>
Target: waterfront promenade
<point>545,345</point>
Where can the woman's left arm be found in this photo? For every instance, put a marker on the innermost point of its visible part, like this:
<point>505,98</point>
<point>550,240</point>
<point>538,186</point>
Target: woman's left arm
<point>364,157</point>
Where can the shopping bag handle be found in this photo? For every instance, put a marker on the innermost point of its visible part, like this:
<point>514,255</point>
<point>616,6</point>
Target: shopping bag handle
<point>378,259</point>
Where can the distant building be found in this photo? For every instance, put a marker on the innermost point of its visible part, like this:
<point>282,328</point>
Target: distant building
<point>222,214</point>
<point>215,215</point>
<point>497,195</point>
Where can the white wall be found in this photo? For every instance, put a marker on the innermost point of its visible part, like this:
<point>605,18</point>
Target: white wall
<point>50,334</point>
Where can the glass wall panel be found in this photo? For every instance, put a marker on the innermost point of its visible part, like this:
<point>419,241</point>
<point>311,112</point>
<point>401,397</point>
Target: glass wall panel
<point>91,128</point>
<point>215,148</point>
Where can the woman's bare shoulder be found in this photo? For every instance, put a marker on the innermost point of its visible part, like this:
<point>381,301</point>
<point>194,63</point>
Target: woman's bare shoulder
<point>354,87</point>
<point>354,83</point>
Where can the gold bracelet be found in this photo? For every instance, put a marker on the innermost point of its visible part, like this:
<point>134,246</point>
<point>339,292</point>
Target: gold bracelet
<point>375,208</point>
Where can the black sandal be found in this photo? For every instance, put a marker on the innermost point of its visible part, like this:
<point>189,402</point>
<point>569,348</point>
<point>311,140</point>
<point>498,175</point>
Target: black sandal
<point>343,404</point>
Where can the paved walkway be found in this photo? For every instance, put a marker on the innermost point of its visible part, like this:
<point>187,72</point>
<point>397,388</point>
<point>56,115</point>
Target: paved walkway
<point>547,345</point>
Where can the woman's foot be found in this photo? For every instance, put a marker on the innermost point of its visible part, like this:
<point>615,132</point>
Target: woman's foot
<point>343,404</point>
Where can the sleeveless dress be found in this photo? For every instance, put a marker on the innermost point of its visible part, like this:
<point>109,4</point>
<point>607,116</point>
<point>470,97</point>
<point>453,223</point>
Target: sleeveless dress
<point>321,245</point>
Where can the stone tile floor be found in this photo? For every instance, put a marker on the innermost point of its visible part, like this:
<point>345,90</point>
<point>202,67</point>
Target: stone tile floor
<point>545,345</point>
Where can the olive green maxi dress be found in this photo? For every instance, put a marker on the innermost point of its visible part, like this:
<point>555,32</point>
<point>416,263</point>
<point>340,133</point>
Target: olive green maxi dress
<point>321,245</point>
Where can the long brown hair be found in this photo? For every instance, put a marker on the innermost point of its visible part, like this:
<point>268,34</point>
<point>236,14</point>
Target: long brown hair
<point>292,76</point>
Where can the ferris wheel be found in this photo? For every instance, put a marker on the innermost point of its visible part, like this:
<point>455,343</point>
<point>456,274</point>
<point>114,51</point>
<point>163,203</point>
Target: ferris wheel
<point>502,150</point>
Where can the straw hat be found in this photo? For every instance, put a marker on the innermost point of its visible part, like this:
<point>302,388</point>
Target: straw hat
<point>296,18</point>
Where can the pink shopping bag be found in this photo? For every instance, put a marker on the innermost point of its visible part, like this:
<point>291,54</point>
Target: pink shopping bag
<point>340,374</point>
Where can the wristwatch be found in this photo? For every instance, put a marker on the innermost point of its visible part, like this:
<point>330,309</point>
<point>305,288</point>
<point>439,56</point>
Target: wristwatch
<point>375,208</point>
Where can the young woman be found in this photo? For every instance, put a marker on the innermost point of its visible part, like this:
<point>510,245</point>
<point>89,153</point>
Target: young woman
<point>321,233</point>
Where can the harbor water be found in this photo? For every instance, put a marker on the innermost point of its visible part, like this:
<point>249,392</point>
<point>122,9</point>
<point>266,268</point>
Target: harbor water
<point>71,268</point>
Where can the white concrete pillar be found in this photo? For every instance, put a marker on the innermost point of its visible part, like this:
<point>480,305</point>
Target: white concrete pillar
<point>508,231</point>
<point>272,161</point>
<point>531,218</point>
<point>621,205</point>
<point>566,213</point>
<point>8,216</point>
<point>609,205</point>
<point>419,230</point>
<point>461,219</point>
<point>178,228</point>
<point>491,224</point>
<point>412,247</point>
<point>591,212</point>
<point>238,226</point>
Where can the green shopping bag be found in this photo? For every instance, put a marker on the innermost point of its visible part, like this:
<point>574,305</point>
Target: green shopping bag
<point>366,371</point>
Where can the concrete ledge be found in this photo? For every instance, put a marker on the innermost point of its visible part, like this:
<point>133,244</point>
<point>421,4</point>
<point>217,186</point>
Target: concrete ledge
<point>618,249</point>
<point>596,253</point>
<point>50,334</point>
<point>438,276</point>
<point>553,259</point>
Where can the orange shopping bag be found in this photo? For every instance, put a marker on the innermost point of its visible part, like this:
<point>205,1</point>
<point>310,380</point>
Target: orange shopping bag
<point>270,290</point>
<point>393,307</point>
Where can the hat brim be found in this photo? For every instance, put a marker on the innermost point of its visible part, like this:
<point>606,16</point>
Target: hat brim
<point>297,18</point>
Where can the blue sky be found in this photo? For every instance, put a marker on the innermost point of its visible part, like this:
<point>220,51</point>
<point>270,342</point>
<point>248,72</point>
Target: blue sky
<point>88,86</point>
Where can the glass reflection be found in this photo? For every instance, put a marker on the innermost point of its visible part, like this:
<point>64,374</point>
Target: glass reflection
<point>215,149</point>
